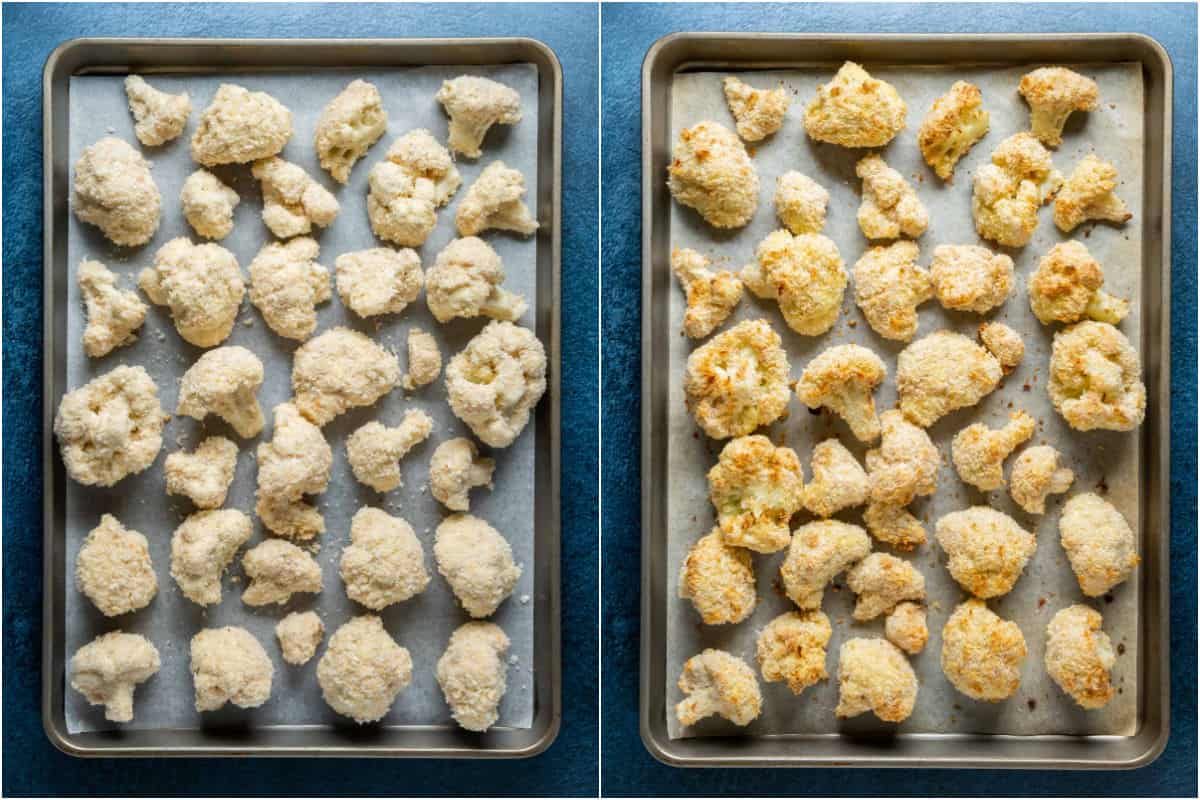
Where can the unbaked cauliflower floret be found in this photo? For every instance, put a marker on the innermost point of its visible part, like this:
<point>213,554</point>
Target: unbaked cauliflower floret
<point>800,202</point>
<point>292,201</point>
<point>363,670</point>
<point>737,382</point>
<point>277,570</point>
<point>715,682</point>
<point>348,126</point>
<point>953,125</point>
<point>339,370</point>
<point>1066,288</point>
<point>203,475</point>
<point>473,674</point>
<point>1053,93</point>
<point>1009,191</point>
<point>756,488</point>
<point>113,315</point>
<point>987,549</point>
<point>792,648</point>
<point>855,110</point>
<point>224,382</point>
<point>804,274</point>
<point>1036,475</point>
<point>941,373</point>
<point>159,117</point>
<point>970,278</point>
<point>455,469</point>
<point>379,281</point>
<point>839,481</point>
<point>711,296</point>
<point>296,462</point>
<point>758,112</point>
<point>208,204</point>
<point>979,452</point>
<point>202,547</point>
<point>905,627</point>
<point>384,562</point>
<point>240,126</point>
<point>495,382</point>
<point>230,666</point>
<point>843,379</point>
<point>904,466</point>
<point>1004,343</point>
<point>424,360</point>
<point>895,525</point>
<point>115,192</point>
<point>719,580</point>
<point>474,105</point>
<point>113,568</point>
<point>201,284</point>
<point>711,172</point>
<point>1099,543</point>
<point>818,553</point>
<point>882,581</point>
<point>464,281</point>
<point>477,562</point>
<point>1088,194</point>
<point>890,207</point>
<point>982,653</point>
<point>1080,656</point>
<point>374,450</point>
<point>874,675</point>
<point>299,635</point>
<point>107,669</point>
<point>493,202</point>
<point>1096,378</point>
<point>415,179</point>
<point>287,283</point>
<point>888,287</point>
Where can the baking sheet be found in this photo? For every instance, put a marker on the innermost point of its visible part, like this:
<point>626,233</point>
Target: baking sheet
<point>422,624</point>
<point>1102,461</point>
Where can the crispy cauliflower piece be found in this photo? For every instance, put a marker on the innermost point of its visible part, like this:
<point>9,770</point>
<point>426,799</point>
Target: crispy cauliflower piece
<point>299,635</point>
<point>874,675</point>
<point>224,382</point>
<point>890,207</point>
<point>292,201</point>
<point>894,525</point>
<point>496,381</point>
<point>1099,543</point>
<point>987,549</point>
<point>201,284</point>
<point>230,666</point>
<point>756,488</point>
<point>1066,288</point>
<point>113,315</point>
<point>474,105</point>
<point>839,481</point>
<point>1088,194</point>
<point>719,580</point>
<point>855,110</point>
<point>110,427</point>
<point>711,172</point>
<point>843,379</point>
<point>424,360</point>
<point>979,452</point>
<point>384,562</point>
<point>277,570</point>
<point>375,450</point>
<point>888,287</point>
<point>455,469</point>
<point>114,191</point>
<point>970,278</point>
<point>415,179</point>
<point>792,648</point>
<point>1036,475</point>
<point>800,202</point>
<point>941,373</point>
<point>297,461</point>
<point>904,466</point>
<point>107,669</point>
<point>1004,343</point>
<point>1053,93</point>
<point>202,547</point>
<point>711,296</point>
<point>113,568</point>
<point>476,561</point>
<point>905,627</point>
<point>287,283</point>
<point>818,553</point>
<point>363,670</point>
<point>159,117</point>
<point>758,112</point>
<point>1009,191</point>
<point>203,475</point>
<point>493,202</point>
<point>379,281</point>
<point>804,274</point>
<point>208,204</point>
<point>1080,656</point>
<point>464,281</point>
<point>715,682</point>
<point>881,582</point>
<point>953,125</point>
<point>737,382</point>
<point>339,370</point>
<point>240,126</point>
<point>1096,378</point>
<point>473,674</point>
<point>347,127</point>
<point>982,653</point>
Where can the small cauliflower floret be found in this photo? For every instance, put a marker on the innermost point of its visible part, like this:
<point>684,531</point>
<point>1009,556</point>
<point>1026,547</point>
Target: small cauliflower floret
<point>473,674</point>
<point>230,666</point>
<point>979,452</point>
<point>379,281</point>
<point>1096,378</point>
<point>855,110</point>
<point>843,379</point>
<point>476,561</point>
<point>758,112</point>
<point>224,382</point>
<point>374,450</point>
<point>240,126</point>
<point>1053,93</point>
<point>455,469</point>
<point>474,105</point>
<point>384,562</point>
<point>113,315</point>
<point>1088,194</point>
<point>894,525</point>
<point>941,373</point>
<point>110,427</point>
<point>208,204</point>
<point>107,669</point>
<point>982,653</point>
<point>800,202</point>
<point>287,283</point>
<point>1004,343</point>
<point>115,192</point>
<point>804,274</point>
<point>905,627</point>
<point>296,462</point>
<point>464,281</point>
<point>987,549</point>
<point>715,682</point>
<point>277,570</point>
<point>424,360</point>
<point>415,179</point>
<point>890,207</point>
<point>113,568</point>
<point>818,553</point>
<point>874,675</point>
<point>1009,191</point>
<point>363,670</point>
<point>348,126</point>
<point>159,117</point>
<point>339,370</point>
<point>839,481</point>
<point>496,381</point>
<point>292,201</point>
<point>201,284</point>
<point>888,287</point>
<point>202,547</point>
<point>792,648</point>
<point>953,125</point>
<point>904,466</point>
<point>970,278</point>
<point>756,488</point>
<point>1037,475</point>
<point>719,580</point>
<point>493,202</point>
<point>711,296</point>
<point>737,382</point>
<point>1099,543</point>
<point>882,581</point>
<point>1080,656</point>
<point>711,172</point>
<point>299,635</point>
<point>203,475</point>
<point>1066,288</point>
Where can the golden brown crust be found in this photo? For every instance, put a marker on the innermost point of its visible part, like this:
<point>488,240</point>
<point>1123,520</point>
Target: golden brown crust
<point>953,125</point>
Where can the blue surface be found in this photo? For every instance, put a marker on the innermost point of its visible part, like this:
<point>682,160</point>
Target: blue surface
<point>31,765</point>
<point>628,31</point>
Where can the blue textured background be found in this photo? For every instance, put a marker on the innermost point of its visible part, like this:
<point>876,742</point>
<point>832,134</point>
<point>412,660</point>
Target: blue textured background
<point>31,765</point>
<point>628,31</point>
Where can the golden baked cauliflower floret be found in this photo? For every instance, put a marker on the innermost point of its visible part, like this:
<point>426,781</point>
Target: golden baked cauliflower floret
<point>363,670</point>
<point>1009,191</point>
<point>987,549</point>
<point>299,635</point>
<point>905,464</point>
<point>297,461</point>
<point>1036,475</point>
<point>881,582</point>
<point>888,287</point>
<point>339,370</point>
<point>464,281</point>
<point>114,191</point>
<point>384,562</point>
<point>455,469</point>
<point>970,278</point>
<point>415,179</point>
<point>711,296</point>
<point>379,281</point>
<point>113,315</point>
<point>758,112</point>
<point>159,117</point>
<point>208,204</point>
<point>839,481</point>
<point>424,360</point>
<point>496,381</point>
<point>894,525</point>
<point>374,450</point>
<point>711,172</point>
<point>804,274</point>
<point>201,284</point>
<point>474,105</point>
<point>1080,656</point>
<point>979,452</point>
<point>107,669</point>
<point>855,110</point>
<point>473,674</point>
<point>890,207</point>
<point>1053,93</point>
<point>110,427</point>
<point>800,202</point>
<point>737,382</point>
<point>1089,194</point>
<point>477,562</point>
<point>953,125</point>
<point>1099,543</point>
<point>203,475</point>
<point>943,372</point>
<point>292,201</point>
<point>843,379</point>
<point>230,666</point>
<point>277,570</point>
<point>719,580</point>
<point>755,488</point>
<point>1066,288</point>
<point>113,568</point>
<point>982,653</point>
<point>224,382</point>
<point>874,675</point>
<point>348,126</point>
<point>715,682</point>
<point>818,553</point>
<point>1004,343</point>
<point>494,202</point>
<point>287,284</point>
<point>240,126</point>
<point>791,648</point>
<point>905,627</point>
<point>202,547</point>
<point>1096,378</point>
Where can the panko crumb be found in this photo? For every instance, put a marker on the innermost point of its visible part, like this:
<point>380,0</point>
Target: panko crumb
<point>114,570</point>
<point>718,580</point>
<point>496,381</point>
<point>800,202</point>
<point>472,674</point>
<point>943,372</point>
<point>890,207</point>
<point>818,553</point>
<point>711,296</point>
<point>415,179</point>
<point>1009,191</point>
<point>715,682</point>
<point>203,475</point>
<point>1098,542</point>
<point>970,277</point>
<point>1096,378</point>
<point>363,669</point>
<point>1066,288</point>
<point>905,627</point>
<point>287,284</point>
<point>338,370</point>
<point>711,172</point>
<point>230,666</point>
<point>495,202</point>
<point>158,116</point>
<point>277,570</point>
<point>464,281</point>
<point>208,204</point>
<point>904,466</point>
<point>758,112</point>
<point>791,648</point>
<point>115,191</point>
<point>1088,194</point>
<point>979,452</point>
<point>349,124</point>
<point>296,462</point>
<point>953,125</point>
<point>384,562</point>
<point>982,653</point>
<point>804,274</point>
<point>477,562</point>
<point>474,105</point>
<point>874,675</point>
<point>1080,656</point>
<point>455,468</point>
<point>987,549</point>
<point>240,126</point>
<point>1053,93</point>
<point>855,110</point>
<point>113,315</point>
<point>1036,474</point>
<point>424,360</point>
<point>224,382</point>
<point>292,201</point>
<point>299,635</point>
<point>201,284</point>
<point>107,669</point>
<point>882,581</point>
<point>1004,343</point>
<point>379,281</point>
<point>756,488</point>
<point>843,379</point>
<point>888,287</point>
<point>737,382</point>
<point>839,481</point>
<point>202,547</point>
<point>374,450</point>
<point>894,525</point>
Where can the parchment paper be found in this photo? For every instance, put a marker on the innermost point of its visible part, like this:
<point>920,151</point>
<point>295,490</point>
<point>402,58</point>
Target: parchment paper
<point>1109,461</point>
<point>422,624</point>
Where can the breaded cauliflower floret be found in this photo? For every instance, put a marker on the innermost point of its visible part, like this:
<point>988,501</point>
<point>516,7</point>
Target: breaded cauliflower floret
<point>888,287</point>
<point>424,360</point>
<point>208,204</point>
<point>363,670</point>
<point>299,635</point>
<point>843,379</point>
<point>715,682</point>
<point>110,427</point>
<point>493,202</point>
<point>874,675</point>
<point>474,105</point>
<point>882,581</point>
<point>1066,288</point>
<point>473,674</point>
<point>894,525</point>
<point>202,547</point>
<point>943,372</point>
<point>904,466</point>
<point>384,562</point>
<point>711,172</point>
<point>292,201</point>
<point>792,648</point>
<point>970,278</point>
<point>953,125</point>
<point>1088,194</point>
<point>711,296</point>
<point>477,562</point>
<point>201,284</point>
<point>982,653</point>
<point>1096,378</point>
<point>987,549</point>
<point>737,382</point>
<point>719,580</point>
<point>114,191</point>
<point>1036,475</point>
<point>496,381</point>
<point>297,461</point>
<point>979,452</point>
<point>203,475</point>
<point>1004,343</point>
<point>415,179</point>
<point>224,382</point>
<point>159,117</point>
<point>905,627</point>
<point>455,469</point>
<point>464,281</point>
<point>1099,543</point>
<point>804,274</point>
<point>374,450</point>
<point>240,126</point>
<point>1053,93</point>
<point>107,669</point>
<point>890,207</point>
<point>348,126</point>
<point>839,481</point>
<point>113,315</point>
<point>230,666</point>
<point>855,110</point>
<point>756,488</point>
<point>1009,191</point>
<point>379,281</point>
<point>277,570</point>
<point>113,568</point>
<point>1080,656</point>
<point>818,553</point>
<point>758,112</point>
<point>287,284</point>
<point>800,202</point>
<point>339,370</point>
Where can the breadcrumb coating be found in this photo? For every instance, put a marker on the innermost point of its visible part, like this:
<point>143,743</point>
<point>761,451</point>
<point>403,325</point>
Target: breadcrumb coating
<point>414,180</point>
<point>905,627</point>
<point>494,384</point>
<point>363,670</point>
<point>1080,656</point>
<point>1096,378</point>
<point>905,464</point>
<point>839,481</point>
<point>758,112</point>
<point>464,281</point>
<point>379,281</point>
<point>982,653</point>
<point>715,682</point>
<point>843,379</point>
<point>1099,543</point>
<point>719,580</point>
<point>890,207</point>
<point>477,562</point>
<point>208,204</point>
<point>347,127</point>
<point>1004,343</point>
<point>1066,288</point>
<point>874,675</point>
<point>1036,475</point>
<point>115,191</point>
<point>1089,194</point>
<point>1009,191</point>
<point>756,488</point>
<point>711,172</point>
<point>158,116</point>
<point>987,549</point>
<point>970,277</point>
<point>800,202</point>
<point>1053,93</point>
<point>804,274</point>
<point>791,648</point>
<point>240,126</point>
<point>224,382</point>
<point>203,475</point>
<point>374,450</point>
<point>473,674</point>
<point>277,570</point>
<point>855,110</point>
<point>338,370</point>
<point>287,284</point>
<point>299,635</point>
<point>292,201</point>
<point>494,202</point>
<point>202,547</point>
<point>737,382</point>
<point>711,296</point>
<point>455,469</point>
<point>113,315</point>
<point>888,287</point>
<point>979,452</point>
<point>114,570</point>
<point>955,122</point>
<point>894,525</point>
<point>819,552</point>
<point>201,284</point>
<point>474,105</point>
<point>107,669</point>
<point>941,373</point>
<point>384,562</point>
<point>297,461</point>
<point>424,360</point>
<point>882,581</point>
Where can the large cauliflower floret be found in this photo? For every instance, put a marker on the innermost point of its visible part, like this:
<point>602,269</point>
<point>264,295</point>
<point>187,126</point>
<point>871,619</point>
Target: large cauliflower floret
<point>224,382</point>
<point>208,204</point>
<point>839,481</point>
<point>987,549</point>
<point>888,287</point>
<point>455,469</point>
<point>473,674</point>
<point>202,547</point>
<point>424,360</point>
<point>711,296</point>
<point>113,568</point>
<point>287,283</point>
<point>495,382</point>
<point>240,126</point>
<point>737,382</point>
<point>1037,475</point>
<point>843,379</point>
<point>890,207</point>
<point>348,126</point>
<point>277,570</point>
<point>905,464</point>
<point>1066,288</point>
<point>792,648</point>
<point>1096,378</point>
<point>296,462</point>
<point>719,580</point>
<point>1004,343</point>
<point>800,202</point>
<point>474,105</point>
<point>1080,656</point>
<point>115,192</point>
<point>201,284</point>
<point>804,274</point>
<point>107,669</point>
<point>881,582</point>
<point>159,117</point>
<point>415,179</point>
<point>1053,93</point>
<point>715,682</point>
<point>979,452</point>
<point>755,488</point>
<point>1099,543</point>
<point>384,562</point>
<point>1088,194</point>
<point>905,627</point>
<point>203,475</point>
<point>970,278</point>
<point>711,172</point>
<point>464,281</point>
<point>494,202</point>
<point>758,112</point>
<point>113,315</point>
<point>299,635</point>
<point>982,653</point>
<point>855,110</point>
<point>292,201</point>
<point>363,670</point>
<point>379,281</point>
<point>874,675</point>
<point>894,525</point>
<point>943,372</point>
<point>953,125</point>
<point>110,427</point>
<point>1009,191</point>
<point>818,553</point>
<point>477,562</point>
<point>374,450</point>
<point>230,666</point>
<point>339,370</point>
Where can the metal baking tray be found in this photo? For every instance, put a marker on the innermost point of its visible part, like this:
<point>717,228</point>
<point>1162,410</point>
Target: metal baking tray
<point>165,56</point>
<point>690,52</point>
